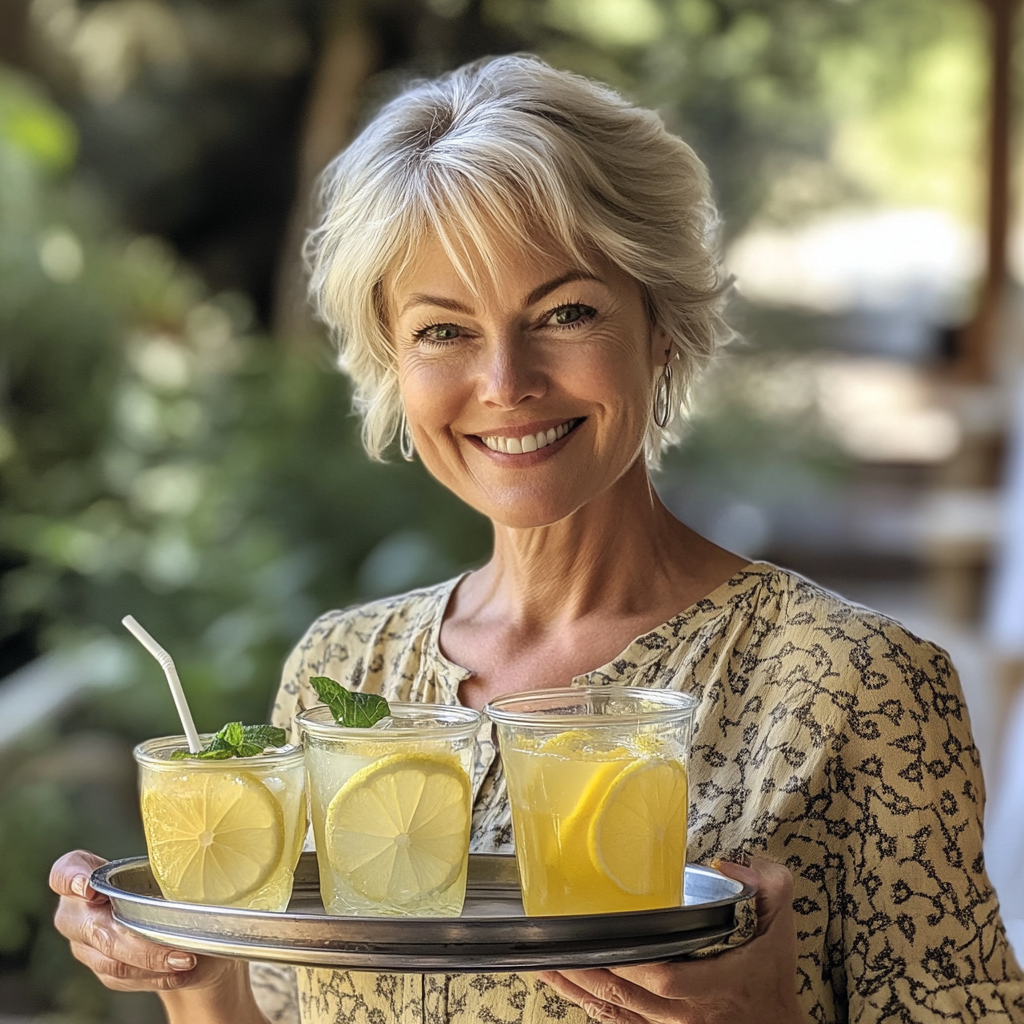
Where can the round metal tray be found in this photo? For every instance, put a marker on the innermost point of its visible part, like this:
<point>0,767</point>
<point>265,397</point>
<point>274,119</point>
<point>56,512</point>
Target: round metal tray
<point>493,933</point>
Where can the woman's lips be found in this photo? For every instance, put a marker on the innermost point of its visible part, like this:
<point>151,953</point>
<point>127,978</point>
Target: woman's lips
<point>527,443</point>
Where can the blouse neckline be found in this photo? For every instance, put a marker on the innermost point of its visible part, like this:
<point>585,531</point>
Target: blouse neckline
<point>637,652</point>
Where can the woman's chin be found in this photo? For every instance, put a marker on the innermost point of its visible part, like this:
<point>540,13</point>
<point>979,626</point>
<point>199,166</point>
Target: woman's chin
<point>518,511</point>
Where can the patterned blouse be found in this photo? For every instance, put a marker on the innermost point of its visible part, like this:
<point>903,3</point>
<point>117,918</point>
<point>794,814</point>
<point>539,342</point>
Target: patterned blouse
<point>827,738</point>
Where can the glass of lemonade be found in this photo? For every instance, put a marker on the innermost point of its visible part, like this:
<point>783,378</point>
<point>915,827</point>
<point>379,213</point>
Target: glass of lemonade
<point>391,808</point>
<point>598,786</point>
<point>223,832</point>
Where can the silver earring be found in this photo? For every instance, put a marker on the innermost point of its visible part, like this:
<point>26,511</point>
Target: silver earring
<point>405,444</point>
<point>663,397</point>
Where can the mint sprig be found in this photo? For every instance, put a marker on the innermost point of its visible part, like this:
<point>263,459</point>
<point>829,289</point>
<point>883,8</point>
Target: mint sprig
<point>237,740</point>
<point>352,709</point>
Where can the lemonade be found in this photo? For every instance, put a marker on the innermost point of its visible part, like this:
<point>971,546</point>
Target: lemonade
<point>598,786</point>
<point>391,809</point>
<point>224,832</point>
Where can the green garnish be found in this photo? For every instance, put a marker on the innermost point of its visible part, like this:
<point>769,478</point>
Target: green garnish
<point>237,740</point>
<point>350,708</point>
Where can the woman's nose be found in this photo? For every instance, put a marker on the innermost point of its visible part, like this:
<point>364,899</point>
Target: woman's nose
<point>510,374</point>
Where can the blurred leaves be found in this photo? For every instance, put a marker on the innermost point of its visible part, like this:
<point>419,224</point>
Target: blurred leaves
<point>158,457</point>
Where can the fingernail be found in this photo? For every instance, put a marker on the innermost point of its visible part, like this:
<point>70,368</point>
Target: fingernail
<point>79,884</point>
<point>181,961</point>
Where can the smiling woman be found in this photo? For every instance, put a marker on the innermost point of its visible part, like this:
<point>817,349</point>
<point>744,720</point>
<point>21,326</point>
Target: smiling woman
<point>519,268</point>
<point>503,164</point>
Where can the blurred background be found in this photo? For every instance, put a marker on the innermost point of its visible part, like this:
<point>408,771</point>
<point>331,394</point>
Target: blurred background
<point>175,444</point>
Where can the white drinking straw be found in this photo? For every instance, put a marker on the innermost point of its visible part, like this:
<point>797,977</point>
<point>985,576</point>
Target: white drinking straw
<point>167,664</point>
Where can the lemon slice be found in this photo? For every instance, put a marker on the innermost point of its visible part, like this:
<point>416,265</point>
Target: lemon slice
<point>399,828</point>
<point>213,837</point>
<point>638,835</point>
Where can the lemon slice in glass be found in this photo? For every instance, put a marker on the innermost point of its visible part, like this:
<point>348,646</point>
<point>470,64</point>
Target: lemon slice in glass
<point>399,828</point>
<point>638,834</point>
<point>213,837</point>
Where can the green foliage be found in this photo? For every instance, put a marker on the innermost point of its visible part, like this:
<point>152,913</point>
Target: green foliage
<point>758,87</point>
<point>158,458</point>
<point>352,710</point>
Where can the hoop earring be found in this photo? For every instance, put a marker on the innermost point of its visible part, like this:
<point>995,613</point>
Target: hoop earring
<point>663,397</point>
<point>405,445</point>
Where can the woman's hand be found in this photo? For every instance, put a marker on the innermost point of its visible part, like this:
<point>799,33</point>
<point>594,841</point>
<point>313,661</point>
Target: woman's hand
<point>194,989</point>
<point>753,982</point>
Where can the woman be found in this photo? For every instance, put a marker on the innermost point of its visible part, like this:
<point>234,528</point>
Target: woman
<point>518,267</point>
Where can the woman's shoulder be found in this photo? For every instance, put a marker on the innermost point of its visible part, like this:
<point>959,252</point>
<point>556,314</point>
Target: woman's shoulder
<point>799,613</point>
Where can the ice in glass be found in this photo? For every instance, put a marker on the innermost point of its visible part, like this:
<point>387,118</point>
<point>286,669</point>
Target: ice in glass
<point>598,786</point>
<point>391,808</point>
<point>224,832</point>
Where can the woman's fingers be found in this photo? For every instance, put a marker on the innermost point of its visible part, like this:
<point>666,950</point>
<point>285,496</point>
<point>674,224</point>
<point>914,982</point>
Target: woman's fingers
<point>774,885</point>
<point>122,976</point>
<point>598,997</point>
<point>91,925</point>
<point>69,875</point>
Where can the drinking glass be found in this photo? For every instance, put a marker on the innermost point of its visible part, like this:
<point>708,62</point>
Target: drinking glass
<point>224,832</point>
<point>391,808</point>
<point>597,781</point>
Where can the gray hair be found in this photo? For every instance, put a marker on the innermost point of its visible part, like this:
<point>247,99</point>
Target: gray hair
<point>509,143</point>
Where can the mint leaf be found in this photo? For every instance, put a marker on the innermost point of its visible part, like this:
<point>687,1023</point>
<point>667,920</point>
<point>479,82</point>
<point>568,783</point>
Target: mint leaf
<point>237,740</point>
<point>232,734</point>
<point>264,735</point>
<point>354,710</point>
<point>216,754</point>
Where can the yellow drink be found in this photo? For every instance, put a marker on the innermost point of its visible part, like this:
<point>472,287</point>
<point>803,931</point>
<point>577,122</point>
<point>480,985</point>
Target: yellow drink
<point>391,810</point>
<point>599,797</point>
<point>227,833</point>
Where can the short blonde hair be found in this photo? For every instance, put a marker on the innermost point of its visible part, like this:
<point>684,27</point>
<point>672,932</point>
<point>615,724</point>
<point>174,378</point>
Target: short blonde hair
<point>510,143</point>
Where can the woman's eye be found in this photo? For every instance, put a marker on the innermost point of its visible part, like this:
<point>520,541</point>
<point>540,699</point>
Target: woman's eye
<point>438,333</point>
<point>567,316</point>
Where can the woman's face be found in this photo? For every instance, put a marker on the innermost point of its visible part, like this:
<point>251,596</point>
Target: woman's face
<point>528,397</point>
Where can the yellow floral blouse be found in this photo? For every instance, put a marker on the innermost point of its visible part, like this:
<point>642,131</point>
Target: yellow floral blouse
<point>827,738</point>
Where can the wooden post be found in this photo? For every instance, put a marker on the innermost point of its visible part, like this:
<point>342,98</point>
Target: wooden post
<point>349,57</point>
<point>976,362</point>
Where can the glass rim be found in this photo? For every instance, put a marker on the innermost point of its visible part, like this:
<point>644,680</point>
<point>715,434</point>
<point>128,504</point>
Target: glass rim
<point>676,706</point>
<point>312,720</point>
<point>144,754</point>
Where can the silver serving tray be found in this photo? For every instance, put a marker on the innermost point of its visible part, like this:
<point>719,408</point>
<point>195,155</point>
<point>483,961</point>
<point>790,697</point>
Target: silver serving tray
<point>493,933</point>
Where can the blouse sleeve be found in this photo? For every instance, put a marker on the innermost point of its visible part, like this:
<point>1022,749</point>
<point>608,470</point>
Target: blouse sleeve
<point>922,940</point>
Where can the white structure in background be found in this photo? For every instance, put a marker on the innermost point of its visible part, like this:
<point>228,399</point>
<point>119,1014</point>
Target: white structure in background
<point>34,696</point>
<point>858,259</point>
<point>1004,839</point>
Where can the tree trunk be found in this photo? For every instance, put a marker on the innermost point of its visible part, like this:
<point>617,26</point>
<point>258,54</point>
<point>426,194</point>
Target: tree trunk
<point>347,60</point>
<point>976,358</point>
<point>15,42</point>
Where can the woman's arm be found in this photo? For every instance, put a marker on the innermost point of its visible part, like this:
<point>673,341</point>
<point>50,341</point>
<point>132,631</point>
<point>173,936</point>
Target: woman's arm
<point>919,937</point>
<point>194,989</point>
<point>227,1001</point>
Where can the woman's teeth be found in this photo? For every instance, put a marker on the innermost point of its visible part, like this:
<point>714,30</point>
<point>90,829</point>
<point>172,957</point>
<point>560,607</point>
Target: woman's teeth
<point>529,443</point>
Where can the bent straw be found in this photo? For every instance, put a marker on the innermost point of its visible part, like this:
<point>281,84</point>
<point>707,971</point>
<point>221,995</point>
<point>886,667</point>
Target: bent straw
<point>167,664</point>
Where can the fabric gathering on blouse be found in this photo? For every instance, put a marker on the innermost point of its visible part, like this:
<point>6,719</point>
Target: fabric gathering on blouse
<point>827,738</point>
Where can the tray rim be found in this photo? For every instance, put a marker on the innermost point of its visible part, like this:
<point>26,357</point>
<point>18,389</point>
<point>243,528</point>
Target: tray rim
<point>466,954</point>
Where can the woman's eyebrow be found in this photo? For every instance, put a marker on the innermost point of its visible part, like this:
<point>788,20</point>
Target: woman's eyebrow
<point>421,299</point>
<point>573,275</point>
<point>538,293</point>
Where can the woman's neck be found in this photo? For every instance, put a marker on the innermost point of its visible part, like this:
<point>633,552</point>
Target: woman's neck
<point>623,555</point>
